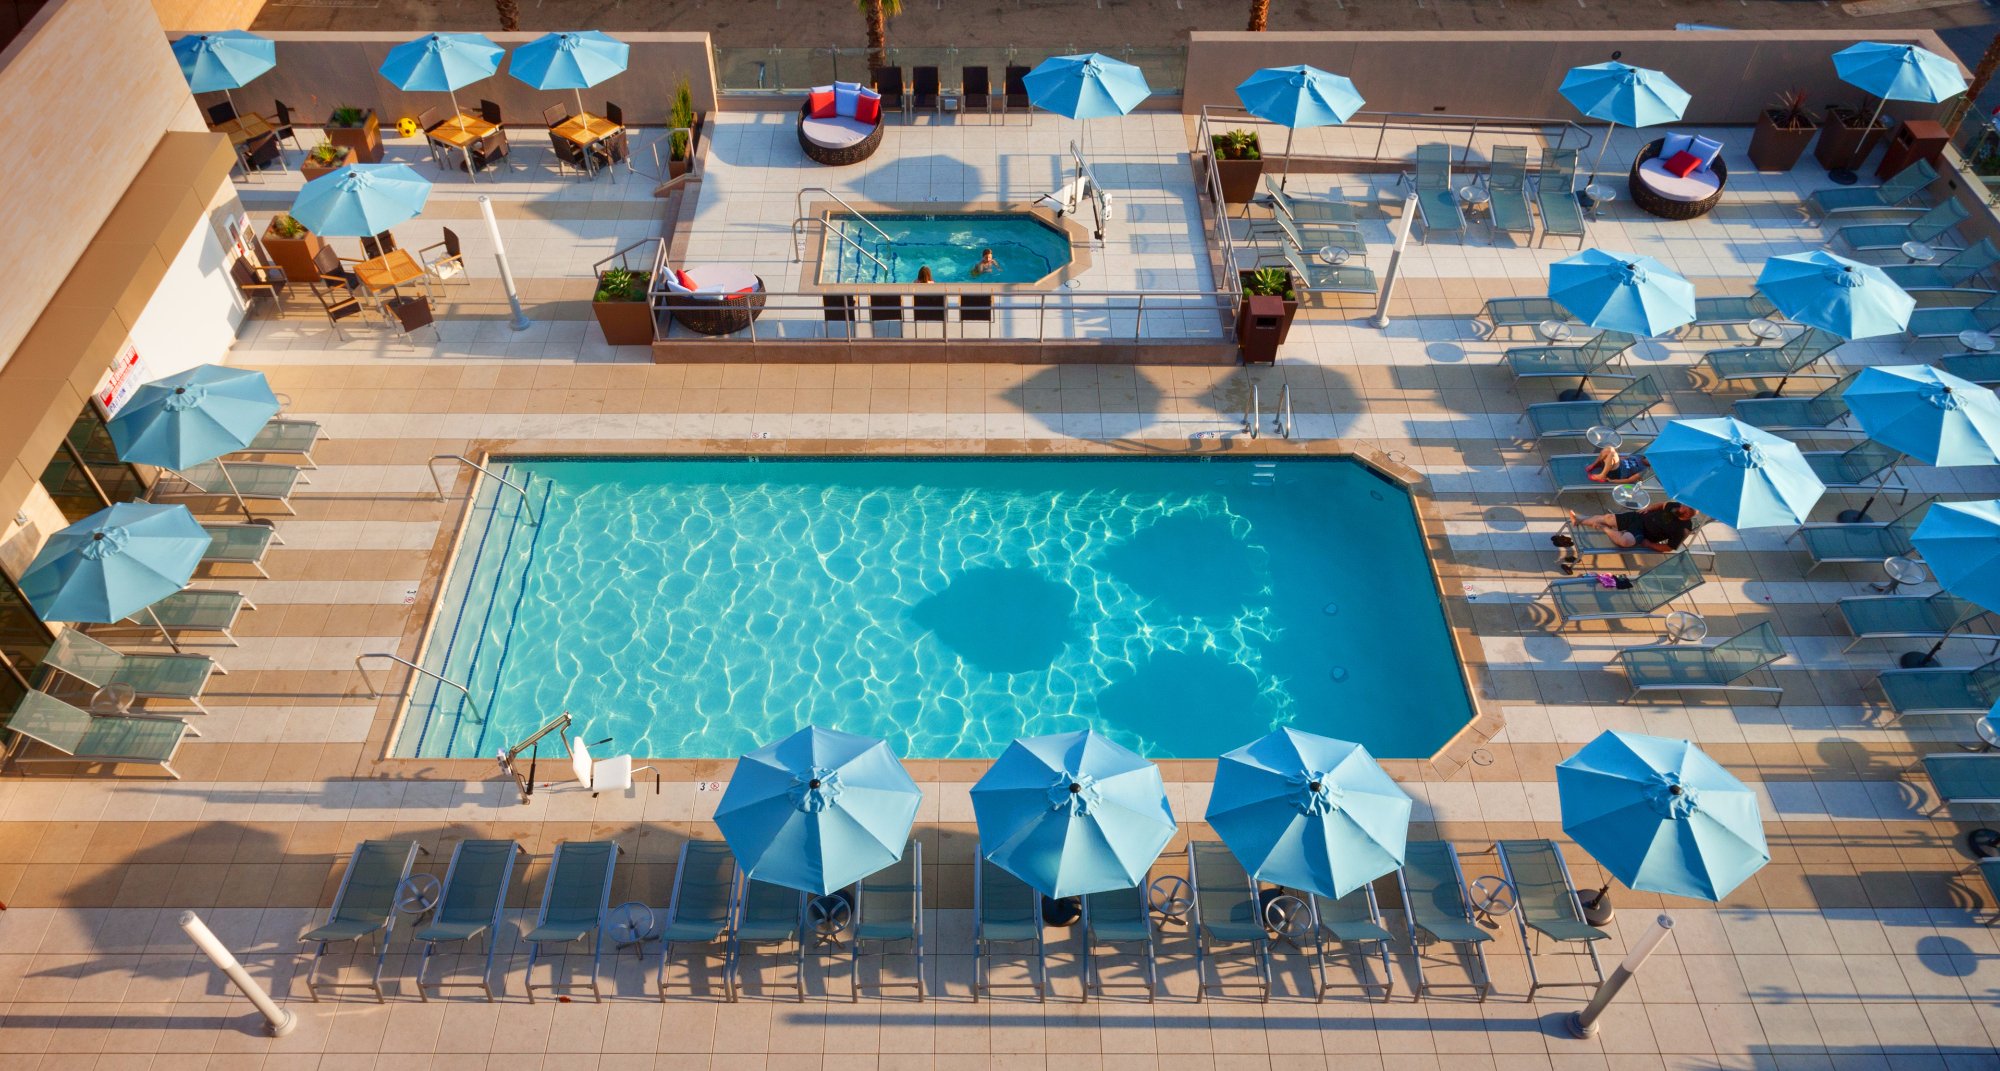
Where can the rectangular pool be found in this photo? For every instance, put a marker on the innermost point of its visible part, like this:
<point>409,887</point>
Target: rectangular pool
<point>697,607</point>
<point>901,244</point>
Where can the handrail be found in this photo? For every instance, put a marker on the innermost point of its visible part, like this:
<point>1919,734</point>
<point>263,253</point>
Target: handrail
<point>527,503</point>
<point>659,172</point>
<point>597,268</point>
<point>376,693</point>
<point>1255,415</point>
<point>1004,316</point>
<point>850,240</point>
<point>1384,121</point>
<point>1284,414</point>
<point>1227,242</point>
<point>798,202</point>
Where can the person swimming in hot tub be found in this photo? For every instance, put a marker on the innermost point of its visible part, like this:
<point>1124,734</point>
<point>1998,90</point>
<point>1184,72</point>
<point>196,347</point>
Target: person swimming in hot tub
<point>986,263</point>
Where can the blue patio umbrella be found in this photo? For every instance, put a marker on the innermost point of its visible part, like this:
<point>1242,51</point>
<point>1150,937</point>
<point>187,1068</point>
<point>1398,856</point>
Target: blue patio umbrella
<point>1927,413</point>
<point>818,810</point>
<point>1620,292</point>
<point>1086,86</point>
<point>575,60</point>
<point>1309,812</point>
<point>224,60</point>
<point>115,563</point>
<point>442,63</point>
<point>1661,816</point>
<point>1834,294</point>
<point>1072,813</point>
<point>1617,93</point>
<point>360,200</point>
<point>1295,97</point>
<point>193,416</point>
<point>1743,476</point>
<point>1960,542</point>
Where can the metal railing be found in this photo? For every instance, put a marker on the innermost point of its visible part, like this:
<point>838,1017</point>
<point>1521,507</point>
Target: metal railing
<point>376,693</point>
<point>1283,417</point>
<point>1253,417</point>
<point>915,316</point>
<point>527,503</point>
<point>801,219</point>
<point>752,72</point>
<point>1569,134</point>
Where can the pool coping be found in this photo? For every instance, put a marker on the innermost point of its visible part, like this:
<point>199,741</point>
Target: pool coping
<point>1452,757</point>
<point>1080,259</point>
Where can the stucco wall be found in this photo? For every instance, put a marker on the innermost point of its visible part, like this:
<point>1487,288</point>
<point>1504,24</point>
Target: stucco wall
<point>179,15</point>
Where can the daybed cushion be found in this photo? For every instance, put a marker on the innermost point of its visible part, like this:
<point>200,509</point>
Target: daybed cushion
<point>722,279</point>
<point>838,132</point>
<point>821,103</point>
<point>1674,144</point>
<point>846,98</point>
<point>869,110</point>
<point>1695,187</point>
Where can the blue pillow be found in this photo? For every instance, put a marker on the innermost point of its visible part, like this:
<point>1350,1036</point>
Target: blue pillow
<point>1706,150</point>
<point>846,97</point>
<point>1674,145</point>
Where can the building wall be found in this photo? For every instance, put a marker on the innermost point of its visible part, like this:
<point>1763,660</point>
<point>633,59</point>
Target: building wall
<point>180,16</point>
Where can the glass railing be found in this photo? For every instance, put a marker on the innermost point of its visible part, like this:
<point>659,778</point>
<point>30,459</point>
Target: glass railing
<point>749,71</point>
<point>1978,144</point>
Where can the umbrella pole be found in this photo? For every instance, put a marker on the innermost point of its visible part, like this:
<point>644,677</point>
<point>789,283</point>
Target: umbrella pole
<point>164,634</point>
<point>1578,393</point>
<point>1600,155</point>
<point>1860,148</point>
<point>453,93</point>
<point>1286,175</point>
<point>1858,516</point>
<point>1926,659</point>
<point>579,101</point>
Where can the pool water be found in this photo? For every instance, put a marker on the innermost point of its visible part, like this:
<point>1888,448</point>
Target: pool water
<point>695,608</point>
<point>1025,248</point>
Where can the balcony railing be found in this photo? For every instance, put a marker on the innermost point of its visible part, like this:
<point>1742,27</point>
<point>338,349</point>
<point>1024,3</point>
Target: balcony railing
<point>747,72</point>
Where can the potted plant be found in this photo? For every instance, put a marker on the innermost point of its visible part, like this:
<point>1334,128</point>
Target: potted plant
<point>1783,132</point>
<point>357,129</point>
<point>622,306</point>
<point>1239,160</point>
<point>293,248</point>
<point>1846,140</point>
<point>325,157</point>
<point>681,117</point>
<point>1272,282</point>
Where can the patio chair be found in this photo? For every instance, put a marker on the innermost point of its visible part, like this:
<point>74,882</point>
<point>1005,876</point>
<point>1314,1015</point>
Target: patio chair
<point>1325,278</point>
<point>240,544</point>
<point>1860,542</point>
<point>1907,617</point>
<point>1905,186</point>
<point>975,89</point>
<point>1282,230</point>
<point>1964,778</point>
<point>555,115</point>
<point>197,610</point>
<point>364,906</point>
<point>1942,324</point>
<point>470,905</point>
<point>1867,465</point>
<point>1437,202</point>
<point>1555,197</point>
<point>766,914</point>
<point>1816,413</point>
<point>1553,419</point>
<point>150,676</point>
<point>283,128</point>
<point>1545,901</point>
<point>287,435</point>
<point>1226,912</point>
<point>1942,689</point>
<point>254,281</point>
<point>1974,367</point>
<point>1570,472</point>
<point>77,735</point>
<point>1717,667</point>
<point>1302,210</point>
<point>1354,920</point>
<point>221,112</point>
<point>574,898</point>
<point>924,90</point>
<point>1119,917</point>
<point>1507,208</point>
<point>450,266</point>
<point>1800,352</point>
<point>1933,228</point>
<point>1016,85</point>
<point>888,908</point>
<point>254,481</point>
<point>698,913</point>
<point>1511,312</point>
<point>1952,273</point>
<point>1592,357</point>
<point>1005,911</point>
<point>1582,598</point>
<point>1436,908</point>
<point>888,81</point>
<point>569,155</point>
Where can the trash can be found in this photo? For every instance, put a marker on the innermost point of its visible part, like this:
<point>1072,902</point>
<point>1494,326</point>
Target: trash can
<point>1917,139</point>
<point>1260,328</point>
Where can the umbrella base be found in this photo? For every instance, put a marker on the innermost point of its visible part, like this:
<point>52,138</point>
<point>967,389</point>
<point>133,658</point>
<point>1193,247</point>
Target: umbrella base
<point>1769,394</point>
<point>1574,394</point>
<point>1984,843</point>
<point>1063,912</point>
<point>1853,516</point>
<point>1917,660</point>
<point>1842,176</point>
<point>1597,910</point>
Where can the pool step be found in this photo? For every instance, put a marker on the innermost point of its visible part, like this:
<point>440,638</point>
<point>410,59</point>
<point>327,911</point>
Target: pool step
<point>1263,474</point>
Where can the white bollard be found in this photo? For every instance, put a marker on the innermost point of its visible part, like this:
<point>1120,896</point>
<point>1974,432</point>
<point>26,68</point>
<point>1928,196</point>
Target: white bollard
<point>1583,1024</point>
<point>1381,317</point>
<point>279,1021</point>
<point>500,255</point>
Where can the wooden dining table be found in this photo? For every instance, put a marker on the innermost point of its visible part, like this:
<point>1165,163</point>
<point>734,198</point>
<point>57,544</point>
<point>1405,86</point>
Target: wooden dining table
<point>389,271</point>
<point>583,131</point>
<point>244,128</point>
<point>462,132</point>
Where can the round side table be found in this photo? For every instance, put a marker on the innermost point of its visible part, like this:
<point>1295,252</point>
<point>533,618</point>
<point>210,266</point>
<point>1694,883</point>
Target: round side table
<point>1631,496</point>
<point>1600,194</point>
<point>1978,341</point>
<point>1686,626</point>
<point>1901,571</point>
<point>1919,252</point>
<point>1553,330</point>
<point>1765,329</point>
<point>1601,437</point>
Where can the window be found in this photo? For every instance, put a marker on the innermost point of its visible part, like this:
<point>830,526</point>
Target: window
<point>85,475</point>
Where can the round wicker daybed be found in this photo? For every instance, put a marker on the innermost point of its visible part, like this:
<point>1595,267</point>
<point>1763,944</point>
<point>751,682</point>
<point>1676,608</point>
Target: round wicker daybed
<point>1670,196</point>
<point>724,301</point>
<point>837,139</point>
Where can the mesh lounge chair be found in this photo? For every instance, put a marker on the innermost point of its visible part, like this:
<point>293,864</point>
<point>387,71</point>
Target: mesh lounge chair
<point>1976,367</point>
<point>1593,357</point>
<point>1354,920</point>
<point>1582,598</point>
<point>1326,278</point>
<point>283,435</point>
<point>1907,617</point>
<point>1571,472</point>
<point>574,899</point>
<point>1507,192</point>
<point>1555,196</point>
<point>1119,917</point>
<point>766,914</point>
<point>80,736</point>
<point>698,914</point>
<point>1587,542</point>
<point>1858,542</point>
<point>1816,413</point>
<point>1952,273</point>
<point>240,544</point>
<point>254,481</point>
<point>364,906</point>
<point>1725,311</point>
<point>1545,902</point>
<point>1867,465</point>
<point>889,907</point>
<point>1226,912</point>
<point>1435,905</point>
<point>1280,229</point>
<point>1005,911</point>
<point>197,610</point>
<point>1305,210</point>
<point>1437,202</point>
<point>1944,323</point>
<point>1800,352</point>
<point>1963,778</point>
<point>150,676</point>
<point>1989,869</point>
<point>1551,419</point>
<point>469,906</point>
<point>1902,188</point>
<point>1932,228</point>
<point>1674,667</point>
<point>1942,690</point>
<point>1510,312</point>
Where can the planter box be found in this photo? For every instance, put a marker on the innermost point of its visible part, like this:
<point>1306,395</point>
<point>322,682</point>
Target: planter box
<point>365,140</point>
<point>677,168</point>
<point>625,323</point>
<point>1239,179</point>
<point>1845,147</point>
<point>1776,148</point>
<point>1291,303</point>
<point>312,170</point>
<point>294,255</point>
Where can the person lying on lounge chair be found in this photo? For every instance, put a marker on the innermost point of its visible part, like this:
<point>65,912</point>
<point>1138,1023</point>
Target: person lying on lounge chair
<point>1613,467</point>
<point>1662,528</point>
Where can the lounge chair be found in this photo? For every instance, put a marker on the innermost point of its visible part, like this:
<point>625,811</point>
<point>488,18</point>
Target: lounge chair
<point>1942,689</point>
<point>1507,192</point>
<point>1860,542</point>
<point>254,481</point>
<point>1677,667</point>
<point>364,906</point>
<point>1555,196</point>
<point>574,899</point>
<point>1435,905</point>
<point>1974,367</point>
<point>150,676</point>
<point>240,544</point>
<point>1933,228</point>
<point>1511,312</point>
<point>1281,230</point>
<point>1815,413</point>
<point>698,914</point>
<point>1800,352</point>
<point>469,906</point>
<point>1964,778</point>
<point>1940,325</point>
<point>1016,96</point>
<point>1989,869</point>
<point>1354,920</point>
<point>1867,465</point>
<point>1227,911</point>
<point>1437,202</point>
<point>767,914</point>
<point>1325,278</point>
<point>1952,273</point>
<point>197,610</point>
<point>1118,917</point>
<point>285,435</point>
<point>1907,617</point>
<point>1894,194</point>
<point>80,736</point>
<point>1302,210</point>
<point>1592,357</point>
<point>1570,472</point>
<point>1545,901</point>
<point>888,908</point>
<point>888,81</point>
<point>1005,911</point>
<point>1727,310</point>
<point>925,94</point>
<point>1582,598</point>
<point>1572,419</point>
<point>975,86</point>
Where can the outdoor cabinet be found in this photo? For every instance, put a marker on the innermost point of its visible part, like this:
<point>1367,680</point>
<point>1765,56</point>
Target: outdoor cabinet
<point>1916,139</point>
<point>1260,327</point>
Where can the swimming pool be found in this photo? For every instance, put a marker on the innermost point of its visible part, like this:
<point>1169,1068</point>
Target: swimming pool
<point>1025,247</point>
<point>697,607</point>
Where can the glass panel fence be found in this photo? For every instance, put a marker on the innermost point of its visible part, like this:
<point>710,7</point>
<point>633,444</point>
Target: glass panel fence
<point>749,71</point>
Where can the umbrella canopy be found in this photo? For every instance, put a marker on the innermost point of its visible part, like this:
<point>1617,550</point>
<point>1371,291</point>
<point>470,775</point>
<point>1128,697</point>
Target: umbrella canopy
<point>1899,72</point>
<point>1088,86</point>
<point>441,62</point>
<point>360,200</point>
<point>1927,413</point>
<point>1622,292</point>
<point>575,60</point>
<point>1960,541</point>
<point>1309,812</point>
<point>1837,295</point>
<point>1740,475</point>
<point>114,563</point>
<point>193,416</point>
<point>818,810</point>
<point>1299,96</point>
<point>1072,813</point>
<point>1661,816</point>
<point>222,61</point>
<point>1625,95</point>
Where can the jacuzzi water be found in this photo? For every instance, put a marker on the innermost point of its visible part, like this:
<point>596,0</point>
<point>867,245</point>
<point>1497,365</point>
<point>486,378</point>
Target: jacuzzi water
<point>950,244</point>
<point>700,607</point>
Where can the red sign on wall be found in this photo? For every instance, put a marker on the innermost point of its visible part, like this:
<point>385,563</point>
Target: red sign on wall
<point>125,378</point>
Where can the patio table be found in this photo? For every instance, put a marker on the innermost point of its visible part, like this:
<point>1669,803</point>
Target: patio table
<point>244,128</point>
<point>585,130</point>
<point>462,132</point>
<point>389,271</point>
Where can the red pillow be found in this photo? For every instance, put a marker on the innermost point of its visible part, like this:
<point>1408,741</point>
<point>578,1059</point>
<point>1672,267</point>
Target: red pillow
<point>868,109</point>
<point>1682,165</point>
<point>748,290</point>
<point>821,104</point>
<point>684,279</point>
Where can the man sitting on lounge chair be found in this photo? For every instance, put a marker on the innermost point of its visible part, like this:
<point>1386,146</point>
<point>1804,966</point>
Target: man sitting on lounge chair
<point>1613,467</point>
<point>1661,528</point>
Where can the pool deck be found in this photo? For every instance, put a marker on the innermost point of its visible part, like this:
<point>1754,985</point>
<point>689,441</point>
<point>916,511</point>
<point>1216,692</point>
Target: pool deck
<point>1859,946</point>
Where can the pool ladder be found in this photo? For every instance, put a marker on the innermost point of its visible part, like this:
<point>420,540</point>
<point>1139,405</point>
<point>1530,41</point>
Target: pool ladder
<point>883,268</point>
<point>1281,417</point>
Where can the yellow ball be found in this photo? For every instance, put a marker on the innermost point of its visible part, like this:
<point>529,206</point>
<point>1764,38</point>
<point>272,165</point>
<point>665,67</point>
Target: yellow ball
<point>406,127</point>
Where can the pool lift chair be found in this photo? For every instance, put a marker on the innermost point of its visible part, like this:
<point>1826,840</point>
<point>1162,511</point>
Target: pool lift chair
<point>597,775</point>
<point>1071,197</point>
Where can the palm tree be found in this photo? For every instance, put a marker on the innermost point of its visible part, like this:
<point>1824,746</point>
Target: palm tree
<point>510,15</point>
<point>1260,14</point>
<point>1981,75</point>
<point>878,14</point>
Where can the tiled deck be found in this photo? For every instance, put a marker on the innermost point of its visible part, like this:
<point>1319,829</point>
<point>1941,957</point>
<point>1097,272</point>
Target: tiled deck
<point>1858,947</point>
